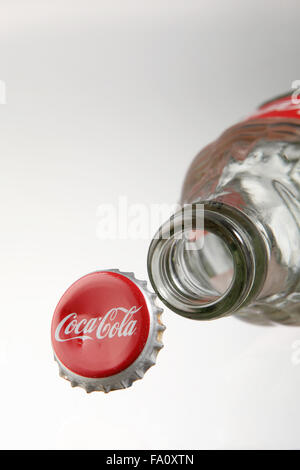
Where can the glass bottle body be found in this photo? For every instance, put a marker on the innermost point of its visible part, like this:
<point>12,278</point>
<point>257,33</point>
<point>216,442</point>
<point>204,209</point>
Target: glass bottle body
<point>247,184</point>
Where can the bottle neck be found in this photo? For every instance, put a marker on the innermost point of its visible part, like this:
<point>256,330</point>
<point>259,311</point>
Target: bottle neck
<point>212,271</point>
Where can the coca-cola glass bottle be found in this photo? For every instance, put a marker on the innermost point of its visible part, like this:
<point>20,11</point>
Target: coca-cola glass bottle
<point>246,185</point>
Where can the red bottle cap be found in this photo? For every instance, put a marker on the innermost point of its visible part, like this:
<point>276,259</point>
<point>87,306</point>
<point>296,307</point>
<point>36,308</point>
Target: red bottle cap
<point>106,331</point>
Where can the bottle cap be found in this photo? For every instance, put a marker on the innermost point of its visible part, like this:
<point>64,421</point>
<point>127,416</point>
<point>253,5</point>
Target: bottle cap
<point>106,331</point>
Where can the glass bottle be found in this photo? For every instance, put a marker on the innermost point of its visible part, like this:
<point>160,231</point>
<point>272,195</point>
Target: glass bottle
<point>246,187</point>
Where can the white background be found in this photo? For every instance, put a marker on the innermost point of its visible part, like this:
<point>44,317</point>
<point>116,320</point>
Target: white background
<point>110,98</point>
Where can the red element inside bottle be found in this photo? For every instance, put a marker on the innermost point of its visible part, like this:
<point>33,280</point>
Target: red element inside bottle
<point>284,107</point>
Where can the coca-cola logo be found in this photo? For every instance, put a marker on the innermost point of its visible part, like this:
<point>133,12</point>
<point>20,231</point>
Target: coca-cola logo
<point>100,325</point>
<point>117,322</point>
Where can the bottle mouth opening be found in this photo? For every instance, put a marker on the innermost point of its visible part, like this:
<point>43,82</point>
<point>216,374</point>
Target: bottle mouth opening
<point>208,271</point>
<point>201,265</point>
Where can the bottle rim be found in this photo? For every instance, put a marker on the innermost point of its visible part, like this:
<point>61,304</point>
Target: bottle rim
<point>244,241</point>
